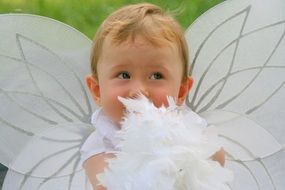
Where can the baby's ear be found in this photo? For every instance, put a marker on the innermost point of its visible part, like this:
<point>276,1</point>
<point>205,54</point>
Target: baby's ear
<point>93,85</point>
<point>185,87</point>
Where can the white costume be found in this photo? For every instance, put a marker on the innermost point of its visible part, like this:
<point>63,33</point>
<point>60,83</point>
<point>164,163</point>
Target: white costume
<point>103,139</point>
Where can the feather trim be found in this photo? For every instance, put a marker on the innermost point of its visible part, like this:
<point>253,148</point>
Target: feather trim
<point>164,149</point>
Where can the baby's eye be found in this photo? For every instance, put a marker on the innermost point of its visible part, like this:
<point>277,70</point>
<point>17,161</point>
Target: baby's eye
<point>156,76</point>
<point>124,75</point>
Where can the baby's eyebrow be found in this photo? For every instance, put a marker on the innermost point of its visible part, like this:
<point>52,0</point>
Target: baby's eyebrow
<point>153,67</point>
<point>120,66</point>
<point>159,67</point>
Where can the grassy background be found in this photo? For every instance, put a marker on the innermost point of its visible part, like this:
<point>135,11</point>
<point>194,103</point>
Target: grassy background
<point>86,15</point>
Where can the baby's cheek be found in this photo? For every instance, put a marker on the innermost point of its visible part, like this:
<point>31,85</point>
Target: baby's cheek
<point>159,96</point>
<point>160,100</point>
<point>115,112</point>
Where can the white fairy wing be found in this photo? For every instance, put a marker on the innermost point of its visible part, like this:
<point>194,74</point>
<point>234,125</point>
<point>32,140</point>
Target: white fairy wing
<point>78,180</point>
<point>45,110</point>
<point>238,64</point>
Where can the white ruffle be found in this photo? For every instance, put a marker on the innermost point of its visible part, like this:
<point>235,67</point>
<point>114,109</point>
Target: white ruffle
<point>103,139</point>
<point>164,149</point>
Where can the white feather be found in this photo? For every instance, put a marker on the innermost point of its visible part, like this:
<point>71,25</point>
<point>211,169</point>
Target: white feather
<point>164,149</point>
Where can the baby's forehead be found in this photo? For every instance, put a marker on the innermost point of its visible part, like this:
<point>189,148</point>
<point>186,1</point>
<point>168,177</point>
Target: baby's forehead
<point>141,41</point>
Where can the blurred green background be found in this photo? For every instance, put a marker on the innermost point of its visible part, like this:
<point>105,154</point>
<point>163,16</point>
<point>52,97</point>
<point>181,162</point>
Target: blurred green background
<point>86,15</point>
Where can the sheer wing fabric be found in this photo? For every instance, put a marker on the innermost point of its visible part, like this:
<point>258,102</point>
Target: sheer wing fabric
<point>45,109</point>
<point>238,64</point>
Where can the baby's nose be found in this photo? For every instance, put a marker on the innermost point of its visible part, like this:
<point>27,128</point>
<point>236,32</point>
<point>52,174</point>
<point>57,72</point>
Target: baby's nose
<point>136,92</point>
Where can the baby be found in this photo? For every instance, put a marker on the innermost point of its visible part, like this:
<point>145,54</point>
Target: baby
<point>138,49</point>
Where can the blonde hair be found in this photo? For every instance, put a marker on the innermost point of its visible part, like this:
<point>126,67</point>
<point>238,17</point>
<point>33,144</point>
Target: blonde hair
<point>146,20</point>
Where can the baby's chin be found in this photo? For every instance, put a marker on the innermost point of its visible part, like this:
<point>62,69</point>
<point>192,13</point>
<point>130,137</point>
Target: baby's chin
<point>117,119</point>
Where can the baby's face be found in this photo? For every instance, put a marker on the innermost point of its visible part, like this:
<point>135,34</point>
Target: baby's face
<point>138,67</point>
